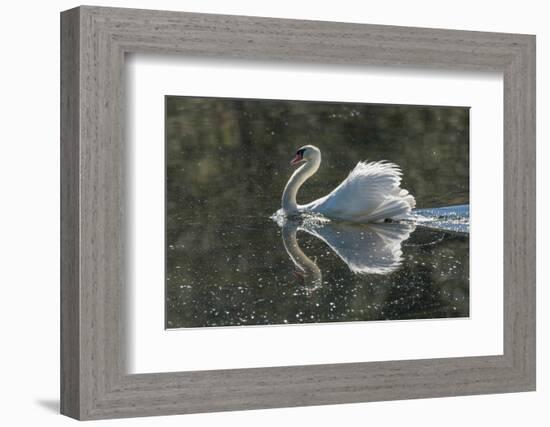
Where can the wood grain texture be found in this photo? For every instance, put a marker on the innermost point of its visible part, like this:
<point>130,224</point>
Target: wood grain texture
<point>95,383</point>
<point>70,291</point>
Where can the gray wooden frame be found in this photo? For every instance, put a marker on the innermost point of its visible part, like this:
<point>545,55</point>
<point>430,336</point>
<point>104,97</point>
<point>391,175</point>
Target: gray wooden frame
<point>94,382</point>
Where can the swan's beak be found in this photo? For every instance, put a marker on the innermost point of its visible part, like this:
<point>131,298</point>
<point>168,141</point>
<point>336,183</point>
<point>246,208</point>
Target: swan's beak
<point>297,159</point>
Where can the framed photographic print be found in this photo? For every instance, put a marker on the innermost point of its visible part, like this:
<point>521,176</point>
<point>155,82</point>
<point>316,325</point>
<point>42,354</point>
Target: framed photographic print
<point>262,213</point>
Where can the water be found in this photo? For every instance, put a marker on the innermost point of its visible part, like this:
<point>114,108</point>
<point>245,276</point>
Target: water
<point>452,218</point>
<point>230,263</point>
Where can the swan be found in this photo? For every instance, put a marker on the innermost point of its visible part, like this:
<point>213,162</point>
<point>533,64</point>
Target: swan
<point>370,193</point>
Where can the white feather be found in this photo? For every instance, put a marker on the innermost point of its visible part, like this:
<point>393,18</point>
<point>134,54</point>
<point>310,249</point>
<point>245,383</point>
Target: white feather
<point>370,193</point>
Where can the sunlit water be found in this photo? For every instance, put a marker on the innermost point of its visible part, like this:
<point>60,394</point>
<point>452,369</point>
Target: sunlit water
<point>452,218</point>
<point>230,263</point>
<point>277,271</point>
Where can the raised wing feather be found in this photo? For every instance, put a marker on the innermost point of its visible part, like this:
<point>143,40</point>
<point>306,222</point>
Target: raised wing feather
<point>371,192</point>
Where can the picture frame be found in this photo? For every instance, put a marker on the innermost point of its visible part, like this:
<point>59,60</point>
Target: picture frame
<point>94,267</point>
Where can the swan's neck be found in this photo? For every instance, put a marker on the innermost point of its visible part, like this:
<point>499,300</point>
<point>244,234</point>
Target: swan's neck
<point>295,182</point>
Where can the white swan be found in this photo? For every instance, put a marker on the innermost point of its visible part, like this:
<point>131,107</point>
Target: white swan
<point>370,193</point>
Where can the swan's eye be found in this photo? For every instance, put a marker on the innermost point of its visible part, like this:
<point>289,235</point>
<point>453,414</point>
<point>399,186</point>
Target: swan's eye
<point>300,152</point>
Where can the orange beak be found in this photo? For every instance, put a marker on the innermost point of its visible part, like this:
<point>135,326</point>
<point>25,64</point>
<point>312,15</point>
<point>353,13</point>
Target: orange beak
<point>297,159</point>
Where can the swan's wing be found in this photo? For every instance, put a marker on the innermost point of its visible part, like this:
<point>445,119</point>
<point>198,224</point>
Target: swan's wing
<point>366,249</point>
<point>371,192</point>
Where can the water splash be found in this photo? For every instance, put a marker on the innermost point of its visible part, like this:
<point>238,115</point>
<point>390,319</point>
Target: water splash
<point>450,218</point>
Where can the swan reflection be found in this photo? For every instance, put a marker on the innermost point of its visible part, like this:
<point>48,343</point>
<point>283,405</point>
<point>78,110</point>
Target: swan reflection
<point>365,249</point>
<point>305,267</point>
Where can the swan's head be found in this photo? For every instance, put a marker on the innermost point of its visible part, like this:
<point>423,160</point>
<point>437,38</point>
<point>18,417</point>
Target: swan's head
<point>305,154</point>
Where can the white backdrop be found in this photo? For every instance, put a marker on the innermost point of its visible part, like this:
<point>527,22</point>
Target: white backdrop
<point>29,177</point>
<point>152,349</point>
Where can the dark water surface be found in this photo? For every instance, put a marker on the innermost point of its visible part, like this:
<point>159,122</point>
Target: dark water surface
<point>228,262</point>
